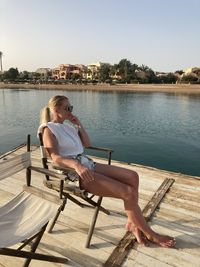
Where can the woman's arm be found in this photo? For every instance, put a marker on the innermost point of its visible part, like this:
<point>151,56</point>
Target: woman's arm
<point>85,139</point>
<point>51,145</point>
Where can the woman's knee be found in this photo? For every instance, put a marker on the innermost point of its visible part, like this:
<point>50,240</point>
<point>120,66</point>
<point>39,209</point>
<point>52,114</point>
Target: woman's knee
<point>134,179</point>
<point>130,193</point>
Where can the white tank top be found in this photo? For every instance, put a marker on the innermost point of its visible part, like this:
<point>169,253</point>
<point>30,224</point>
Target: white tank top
<point>69,142</point>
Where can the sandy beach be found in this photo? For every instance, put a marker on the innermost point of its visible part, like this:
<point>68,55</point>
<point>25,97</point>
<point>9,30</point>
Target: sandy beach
<point>168,88</point>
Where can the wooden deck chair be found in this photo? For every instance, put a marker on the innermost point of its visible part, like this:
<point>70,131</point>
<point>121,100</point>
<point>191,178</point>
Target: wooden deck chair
<point>68,189</point>
<point>25,217</point>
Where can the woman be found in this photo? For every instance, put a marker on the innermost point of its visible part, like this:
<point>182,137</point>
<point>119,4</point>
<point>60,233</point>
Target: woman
<point>65,141</point>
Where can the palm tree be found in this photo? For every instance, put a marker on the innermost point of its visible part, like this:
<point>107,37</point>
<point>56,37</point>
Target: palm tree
<point>1,54</point>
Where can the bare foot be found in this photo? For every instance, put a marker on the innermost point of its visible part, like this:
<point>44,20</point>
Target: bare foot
<point>141,239</point>
<point>163,240</point>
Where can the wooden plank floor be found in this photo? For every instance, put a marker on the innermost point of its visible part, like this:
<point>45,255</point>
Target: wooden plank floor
<point>178,215</point>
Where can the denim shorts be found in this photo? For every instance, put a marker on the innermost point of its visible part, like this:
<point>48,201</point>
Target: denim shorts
<point>85,161</point>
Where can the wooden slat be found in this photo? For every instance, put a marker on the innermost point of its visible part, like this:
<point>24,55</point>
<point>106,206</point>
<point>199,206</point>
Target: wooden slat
<point>157,198</point>
<point>127,242</point>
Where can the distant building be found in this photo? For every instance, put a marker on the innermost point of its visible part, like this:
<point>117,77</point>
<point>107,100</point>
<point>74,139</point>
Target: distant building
<point>161,74</point>
<point>93,70</point>
<point>65,71</point>
<point>81,70</point>
<point>194,72</point>
<point>44,72</point>
<point>56,73</point>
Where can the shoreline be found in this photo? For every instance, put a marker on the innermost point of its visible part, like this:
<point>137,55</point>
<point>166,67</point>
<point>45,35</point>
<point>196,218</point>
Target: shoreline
<point>166,88</point>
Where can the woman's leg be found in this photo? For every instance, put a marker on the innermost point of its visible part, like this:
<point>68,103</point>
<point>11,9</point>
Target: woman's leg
<point>108,187</point>
<point>128,177</point>
<point>122,175</point>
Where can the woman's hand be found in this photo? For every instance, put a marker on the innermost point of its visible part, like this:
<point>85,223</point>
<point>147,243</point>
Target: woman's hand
<point>86,174</point>
<point>82,132</point>
<point>74,120</point>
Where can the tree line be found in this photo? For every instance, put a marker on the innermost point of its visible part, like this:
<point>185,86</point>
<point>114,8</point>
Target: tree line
<point>123,72</point>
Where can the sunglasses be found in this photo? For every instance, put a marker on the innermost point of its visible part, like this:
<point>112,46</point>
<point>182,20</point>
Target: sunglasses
<point>69,108</point>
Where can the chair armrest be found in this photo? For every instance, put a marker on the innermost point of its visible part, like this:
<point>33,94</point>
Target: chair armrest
<point>48,172</point>
<point>70,173</point>
<point>104,149</point>
<point>66,169</point>
<point>100,148</point>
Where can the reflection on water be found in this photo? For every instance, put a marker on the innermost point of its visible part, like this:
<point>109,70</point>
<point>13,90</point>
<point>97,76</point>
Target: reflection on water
<point>156,129</point>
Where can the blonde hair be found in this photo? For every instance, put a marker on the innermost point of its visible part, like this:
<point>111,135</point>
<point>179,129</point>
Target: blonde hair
<point>55,101</point>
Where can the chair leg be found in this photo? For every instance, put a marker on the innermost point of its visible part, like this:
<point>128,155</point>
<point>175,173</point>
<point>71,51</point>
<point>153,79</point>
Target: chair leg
<point>35,244</point>
<point>50,228</point>
<point>31,255</point>
<point>27,242</point>
<point>94,219</point>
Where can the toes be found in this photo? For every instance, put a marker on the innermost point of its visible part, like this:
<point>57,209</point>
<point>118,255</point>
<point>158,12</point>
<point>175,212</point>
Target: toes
<point>171,243</point>
<point>163,241</point>
<point>168,243</point>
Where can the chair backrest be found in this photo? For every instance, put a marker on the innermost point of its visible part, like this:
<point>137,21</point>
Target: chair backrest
<point>15,164</point>
<point>43,151</point>
<point>44,154</point>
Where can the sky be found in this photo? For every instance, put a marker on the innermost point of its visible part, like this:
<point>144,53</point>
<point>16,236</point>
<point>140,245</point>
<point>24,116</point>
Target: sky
<point>161,34</point>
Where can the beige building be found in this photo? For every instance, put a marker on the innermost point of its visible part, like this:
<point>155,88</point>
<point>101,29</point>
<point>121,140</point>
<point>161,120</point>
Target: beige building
<point>93,70</point>
<point>195,72</point>
<point>44,72</point>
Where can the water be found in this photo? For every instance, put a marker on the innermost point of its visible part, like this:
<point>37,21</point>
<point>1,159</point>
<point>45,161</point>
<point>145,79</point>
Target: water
<point>155,129</point>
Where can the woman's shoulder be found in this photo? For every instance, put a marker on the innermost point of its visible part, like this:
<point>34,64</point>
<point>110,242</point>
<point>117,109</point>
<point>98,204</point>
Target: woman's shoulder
<point>50,125</point>
<point>53,126</point>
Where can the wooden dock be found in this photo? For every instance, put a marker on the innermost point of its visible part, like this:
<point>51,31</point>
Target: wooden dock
<point>178,215</point>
